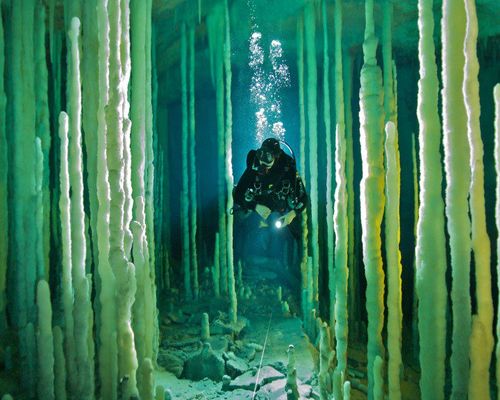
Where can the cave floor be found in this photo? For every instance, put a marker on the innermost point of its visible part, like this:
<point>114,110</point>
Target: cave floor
<point>258,302</point>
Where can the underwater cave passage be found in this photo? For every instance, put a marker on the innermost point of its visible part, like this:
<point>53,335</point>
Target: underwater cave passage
<point>249,199</point>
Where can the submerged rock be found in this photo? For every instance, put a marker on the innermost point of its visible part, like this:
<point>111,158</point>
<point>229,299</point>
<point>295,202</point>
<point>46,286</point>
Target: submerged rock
<point>249,379</point>
<point>204,364</point>
<point>235,366</point>
<point>172,361</point>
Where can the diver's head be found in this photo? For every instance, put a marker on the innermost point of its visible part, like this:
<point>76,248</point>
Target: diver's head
<point>267,154</point>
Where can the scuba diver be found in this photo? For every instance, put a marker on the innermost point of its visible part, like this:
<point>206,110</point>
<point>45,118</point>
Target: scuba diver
<point>271,184</point>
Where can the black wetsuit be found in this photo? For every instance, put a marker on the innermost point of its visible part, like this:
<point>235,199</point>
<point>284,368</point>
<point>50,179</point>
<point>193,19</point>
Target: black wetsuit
<point>280,188</point>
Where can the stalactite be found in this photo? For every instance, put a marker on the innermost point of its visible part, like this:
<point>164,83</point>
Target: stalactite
<point>149,168</point>
<point>496,96</point>
<point>67,280</point>
<point>372,192</point>
<point>329,165</point>
<point>108,351</point>
<point>430,247</point>
<point>389,94</point>
<point>233,308</point>
<point>77,227</point>
<point>312,115</point>
<point>482,340</point>
<point>138,97</point>
<point>45,343</point>
<point>341,199</point>
<point>43,130</point>
<point>4,221</point>
<point>192,164</point>
<point>456,152</point>
<point>90,102</point>
<point>186,259</point>
<point>393,257</point>
<point>126,69</point>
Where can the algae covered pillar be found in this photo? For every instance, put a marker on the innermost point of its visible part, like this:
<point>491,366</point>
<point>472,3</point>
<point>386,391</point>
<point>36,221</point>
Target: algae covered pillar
<point>372,199</point>
<point>393,256</point>
<point>192,164</point>
<point>430,247</point>
<point>392,219</point>
<point>233,308</point>
<point>216,33</point>
<point>341,200</point>
<point>496,95</point>
<point>302,131</point>
<point>312,120</point>
<point>186,258</point>
<point>4,227</point>
<point>108,349</point>
<point>456,156</point>
<point>23,186</point>
<point>329,162</point>
<point>481,341</point>
<point>81,285</point>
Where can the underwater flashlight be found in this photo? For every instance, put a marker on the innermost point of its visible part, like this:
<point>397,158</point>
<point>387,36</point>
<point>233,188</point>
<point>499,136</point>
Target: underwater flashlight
<point>278,224</point>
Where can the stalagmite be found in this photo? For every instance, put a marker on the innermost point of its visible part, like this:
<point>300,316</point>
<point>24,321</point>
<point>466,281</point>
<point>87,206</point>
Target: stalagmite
<point>205,327</point>
<point>326,356</point>
<point>430,246</point>
<point>372,192</point>
<point>108,352</point>
<point>78,239</point>
<point>456,156</point>
<point>186,258</point>
<point>393,257</point>
<point>312,115</point>
<point>59,365</point>
<point>496,97</point>
<point>192,164</point>
<point>45,343</point>
<point>146,371</point>
<point>291,375</point>
<point>482,340</point>
<point>341,200</point>
<point>329,165</point>
<point>216,267</point>
<point>138,97</point>
<point>43,131</point>
<point>233,307</point>
<point>4,223</point>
